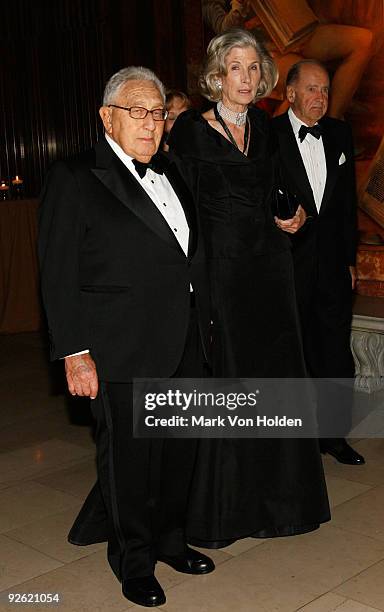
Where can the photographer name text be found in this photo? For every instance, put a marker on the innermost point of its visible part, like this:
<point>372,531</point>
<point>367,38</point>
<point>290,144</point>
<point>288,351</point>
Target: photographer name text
<point>222,421</point>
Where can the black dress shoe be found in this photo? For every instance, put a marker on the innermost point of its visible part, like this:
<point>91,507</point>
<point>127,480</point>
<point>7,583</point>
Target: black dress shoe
<point>342,452</point>
<point>145,591</point>
<point>191,562</point>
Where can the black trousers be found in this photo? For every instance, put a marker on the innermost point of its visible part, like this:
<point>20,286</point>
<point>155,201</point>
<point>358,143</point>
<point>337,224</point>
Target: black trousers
<point>325,308</point>
<point>139,503</point>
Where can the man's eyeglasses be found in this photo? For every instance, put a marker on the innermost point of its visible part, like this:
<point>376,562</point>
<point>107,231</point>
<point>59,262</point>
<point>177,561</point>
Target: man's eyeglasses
<point>139,112</point>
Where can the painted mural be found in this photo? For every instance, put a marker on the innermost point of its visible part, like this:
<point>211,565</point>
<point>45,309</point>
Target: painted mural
<point>348,37</point>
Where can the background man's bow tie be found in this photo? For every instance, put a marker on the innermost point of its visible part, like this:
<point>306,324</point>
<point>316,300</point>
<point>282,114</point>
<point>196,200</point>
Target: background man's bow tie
<point>315,130</point>
<point>141,167</point>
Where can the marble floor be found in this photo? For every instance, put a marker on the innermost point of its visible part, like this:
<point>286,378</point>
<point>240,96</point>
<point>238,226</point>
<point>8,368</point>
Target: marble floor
<point>47,468</point>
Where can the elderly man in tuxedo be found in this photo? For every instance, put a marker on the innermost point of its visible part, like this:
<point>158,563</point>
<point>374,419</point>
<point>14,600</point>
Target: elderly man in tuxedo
<point>316,161</point>
<point>125,292</point>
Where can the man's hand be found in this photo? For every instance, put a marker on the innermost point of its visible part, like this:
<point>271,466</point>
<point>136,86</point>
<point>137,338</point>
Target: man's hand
<point>295,223</point>
<point>352,271</point>
<point>81,375</point>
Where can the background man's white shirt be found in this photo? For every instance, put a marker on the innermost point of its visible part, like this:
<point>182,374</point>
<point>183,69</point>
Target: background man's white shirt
<point>313,156</point>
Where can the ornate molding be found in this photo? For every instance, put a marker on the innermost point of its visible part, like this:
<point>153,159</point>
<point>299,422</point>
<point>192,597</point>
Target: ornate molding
<point>367,344</point>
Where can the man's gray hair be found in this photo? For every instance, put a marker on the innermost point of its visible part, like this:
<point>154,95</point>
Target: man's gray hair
<point>131,73</point>
<point>294,71</point>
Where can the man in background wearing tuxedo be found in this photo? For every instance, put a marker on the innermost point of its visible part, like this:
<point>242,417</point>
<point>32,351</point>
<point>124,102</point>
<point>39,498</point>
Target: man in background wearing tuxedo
<point>316,161</point>
<point>125,292</point>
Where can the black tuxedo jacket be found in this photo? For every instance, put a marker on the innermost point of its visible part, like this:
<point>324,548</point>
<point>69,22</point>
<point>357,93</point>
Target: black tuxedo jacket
<point>325,246</point>
<point>114,278</point>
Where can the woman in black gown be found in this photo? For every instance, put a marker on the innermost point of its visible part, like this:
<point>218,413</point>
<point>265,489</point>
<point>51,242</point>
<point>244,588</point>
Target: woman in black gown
<point>243,487</point>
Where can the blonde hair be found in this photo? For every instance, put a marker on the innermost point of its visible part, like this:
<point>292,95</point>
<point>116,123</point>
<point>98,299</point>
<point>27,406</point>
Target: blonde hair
<point>214,66</point>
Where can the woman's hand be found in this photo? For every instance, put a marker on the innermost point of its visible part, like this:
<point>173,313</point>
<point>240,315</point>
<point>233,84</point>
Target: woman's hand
<point>295,223</point>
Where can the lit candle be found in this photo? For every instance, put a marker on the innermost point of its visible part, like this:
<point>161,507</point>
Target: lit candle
<point>4,190</point>
<point>17,180</point>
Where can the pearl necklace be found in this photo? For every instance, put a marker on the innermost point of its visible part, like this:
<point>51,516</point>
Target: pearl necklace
<point>227,114</point>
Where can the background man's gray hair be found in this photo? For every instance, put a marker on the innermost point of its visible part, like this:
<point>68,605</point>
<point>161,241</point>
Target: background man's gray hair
<point>131,73</point>
<point>294,71</point>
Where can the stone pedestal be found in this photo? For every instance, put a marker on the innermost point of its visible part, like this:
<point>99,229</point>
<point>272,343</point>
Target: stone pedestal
<point>367,343</point>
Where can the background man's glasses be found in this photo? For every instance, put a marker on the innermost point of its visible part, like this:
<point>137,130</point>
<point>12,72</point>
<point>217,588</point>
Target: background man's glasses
<point>139,112</point>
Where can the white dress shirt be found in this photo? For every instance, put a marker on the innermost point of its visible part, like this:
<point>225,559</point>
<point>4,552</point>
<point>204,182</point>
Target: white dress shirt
<point>160,190</point>
<point>162,195</point>
<point>313,156</point>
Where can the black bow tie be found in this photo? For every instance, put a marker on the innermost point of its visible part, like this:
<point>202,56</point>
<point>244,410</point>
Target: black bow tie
<point>315,130</point>
<point>141,167</point>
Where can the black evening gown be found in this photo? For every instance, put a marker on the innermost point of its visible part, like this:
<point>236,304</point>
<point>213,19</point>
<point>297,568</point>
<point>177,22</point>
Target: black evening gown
<point>247,487</point>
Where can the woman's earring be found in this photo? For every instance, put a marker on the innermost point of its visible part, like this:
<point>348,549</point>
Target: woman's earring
<point>218,84</point>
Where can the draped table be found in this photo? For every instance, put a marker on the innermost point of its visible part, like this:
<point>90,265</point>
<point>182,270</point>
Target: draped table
<point>20,308</point>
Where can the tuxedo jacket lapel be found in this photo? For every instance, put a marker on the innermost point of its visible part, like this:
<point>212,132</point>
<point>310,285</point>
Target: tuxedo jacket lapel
<point>291,158</point>
<point>111,171</point>
<point>331,150</point>
<point>185,198</point>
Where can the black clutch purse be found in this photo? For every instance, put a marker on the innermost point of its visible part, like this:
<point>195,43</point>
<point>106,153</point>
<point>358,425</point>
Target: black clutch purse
<point>284,203</point>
